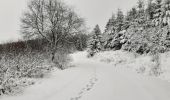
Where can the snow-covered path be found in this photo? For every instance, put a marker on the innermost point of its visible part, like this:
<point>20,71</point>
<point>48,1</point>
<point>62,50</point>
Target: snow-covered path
<point>93,80</point>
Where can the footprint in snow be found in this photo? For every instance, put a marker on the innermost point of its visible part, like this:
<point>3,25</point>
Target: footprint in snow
<point>88,87</point>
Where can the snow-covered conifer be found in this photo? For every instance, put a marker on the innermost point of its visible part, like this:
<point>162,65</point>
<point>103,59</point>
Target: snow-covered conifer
<point>94,43</point>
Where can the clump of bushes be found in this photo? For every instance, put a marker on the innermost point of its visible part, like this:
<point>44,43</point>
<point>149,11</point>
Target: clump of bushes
<point>22,62</point>
<point>143,64</point>
<point>18,71</point>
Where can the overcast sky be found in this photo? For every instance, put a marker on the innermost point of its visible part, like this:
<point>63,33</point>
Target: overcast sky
<point>94,11</point>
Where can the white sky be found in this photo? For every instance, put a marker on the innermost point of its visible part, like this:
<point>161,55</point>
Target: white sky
<point>94,11</point>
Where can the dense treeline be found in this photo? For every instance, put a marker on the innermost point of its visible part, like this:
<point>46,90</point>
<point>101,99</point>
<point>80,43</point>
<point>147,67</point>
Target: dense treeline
<point>145,29</point>
<point>78,42</point>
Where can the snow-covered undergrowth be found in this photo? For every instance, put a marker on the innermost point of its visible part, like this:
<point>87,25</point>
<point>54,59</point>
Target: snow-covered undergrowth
<point>18,72</point>
<point>143,64</point>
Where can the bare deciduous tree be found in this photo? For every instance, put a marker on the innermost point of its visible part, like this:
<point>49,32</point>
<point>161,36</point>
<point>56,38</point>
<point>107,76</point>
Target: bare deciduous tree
<point>52,20</point>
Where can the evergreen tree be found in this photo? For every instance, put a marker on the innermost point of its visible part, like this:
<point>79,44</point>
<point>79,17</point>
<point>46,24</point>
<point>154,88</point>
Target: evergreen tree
<point>109,31</point>
<point>141,18</point>
<point>150,9</point>
<point>113,27</point>
<point>141,7</point>
<point>158,13</point>
<point>119,20</point>
<point>130,18</point>
<point>110,26</point>
<point>131,15</point>
<point>94,43</point>
<point>166,11</point>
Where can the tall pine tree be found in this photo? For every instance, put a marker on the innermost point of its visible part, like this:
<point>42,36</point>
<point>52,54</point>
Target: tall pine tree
<point>150,9</point>
<point>94,43</point>
<point>110,26</point>
<point>130,18</point>
<point>132,14</point>
<point>158,13</point>
<point>119,20</point>
<point>141,18</point>
<point>166,17</point>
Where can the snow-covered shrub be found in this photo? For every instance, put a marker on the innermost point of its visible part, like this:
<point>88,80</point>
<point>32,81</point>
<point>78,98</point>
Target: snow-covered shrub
<point>156,69</point>
<point>165,65</point>
<point>144,64</point>
<point>16,69</point>
<point>114,57</point>
<point>13,86</point>
<point>62,59</point>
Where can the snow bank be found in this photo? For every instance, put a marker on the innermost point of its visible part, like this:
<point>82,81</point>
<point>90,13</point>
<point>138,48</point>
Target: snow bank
<point>141,64</point>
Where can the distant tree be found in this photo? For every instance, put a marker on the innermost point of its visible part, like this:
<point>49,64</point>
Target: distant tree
<point>94,43</point>
<point>110,26</point>
<point>140,4</point>
<point>119,20</point>
<point>112,36</point>
<point>158,13</point>
<point>52,20</point>
<point>166,12</point>
<point>130,18</point>
<point>131,15</point>
<point>109,32</point>
<point>150,9</point>
<point>81,41</point>
<point>141,18</point>
<point>141,8</point>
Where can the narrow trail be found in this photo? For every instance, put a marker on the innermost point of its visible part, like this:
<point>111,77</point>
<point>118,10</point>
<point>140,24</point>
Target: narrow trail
<point>94,80</point>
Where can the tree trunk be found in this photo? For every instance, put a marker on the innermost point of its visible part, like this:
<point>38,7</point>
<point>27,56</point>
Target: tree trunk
<point>53,51</point>
<point>53,56</point>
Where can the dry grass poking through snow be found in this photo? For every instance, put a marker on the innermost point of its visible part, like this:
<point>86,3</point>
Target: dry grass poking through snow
<point>143,64</point>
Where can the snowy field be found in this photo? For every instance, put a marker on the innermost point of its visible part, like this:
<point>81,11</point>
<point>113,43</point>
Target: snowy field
<point>94,79</point>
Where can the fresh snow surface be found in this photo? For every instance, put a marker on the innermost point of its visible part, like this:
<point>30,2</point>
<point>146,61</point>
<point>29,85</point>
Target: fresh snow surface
<point>91,79</point>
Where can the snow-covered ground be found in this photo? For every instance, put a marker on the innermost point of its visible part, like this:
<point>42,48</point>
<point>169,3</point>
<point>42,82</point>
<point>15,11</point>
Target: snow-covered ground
<point>92,79</point>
